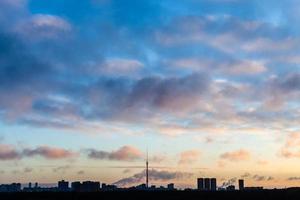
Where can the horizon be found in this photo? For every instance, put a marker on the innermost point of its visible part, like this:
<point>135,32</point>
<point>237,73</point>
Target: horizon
<point>210,87</point>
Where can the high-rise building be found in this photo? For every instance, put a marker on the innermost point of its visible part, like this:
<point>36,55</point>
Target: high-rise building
<point>213,184</point>
<point>171,186</point>
<point>241,184</point>
<point>207,184</point>
<point>90,186</point>
<point>63,186</point>
<point>200,184</point>
<point>14,187</point>
<point>76,186</point>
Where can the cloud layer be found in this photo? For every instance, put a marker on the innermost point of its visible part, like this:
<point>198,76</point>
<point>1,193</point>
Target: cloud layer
<point>9,152</point>
<point>125,153</point>
<point>239,155</point>
<point>154,175</point>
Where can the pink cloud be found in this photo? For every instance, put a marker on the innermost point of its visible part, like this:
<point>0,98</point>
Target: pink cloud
<point>238,155</point>
<point>188,157</point>
<point>8,152</point>
<point>291,149</point>
<point>49,152</point>
<point>125,153</point>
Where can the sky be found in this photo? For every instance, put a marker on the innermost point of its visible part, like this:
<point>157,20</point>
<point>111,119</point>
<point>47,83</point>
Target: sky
<point>210,87</point>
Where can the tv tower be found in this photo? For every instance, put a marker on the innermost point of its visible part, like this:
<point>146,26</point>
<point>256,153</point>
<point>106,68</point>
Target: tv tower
<point>147,171</point>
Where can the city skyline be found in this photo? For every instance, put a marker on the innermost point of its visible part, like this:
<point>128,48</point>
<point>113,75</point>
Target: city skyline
<point>202,184</point>
<point>96,89</point>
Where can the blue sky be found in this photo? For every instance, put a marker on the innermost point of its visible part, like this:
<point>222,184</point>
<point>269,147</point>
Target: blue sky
<point>210,87</point>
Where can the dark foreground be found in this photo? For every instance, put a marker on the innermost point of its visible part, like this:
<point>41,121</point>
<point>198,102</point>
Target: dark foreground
<point>290,194</point>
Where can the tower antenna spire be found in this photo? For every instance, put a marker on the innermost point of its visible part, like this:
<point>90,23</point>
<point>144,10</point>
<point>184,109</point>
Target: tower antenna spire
<point>147,171</point>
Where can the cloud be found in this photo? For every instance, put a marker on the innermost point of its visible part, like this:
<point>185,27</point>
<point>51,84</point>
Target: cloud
<point>28,170</point>
<point>291,149</point>
<point>119,67</point>
<point>125,153</point>
<point>262,162</point>
<point>257,177</point>
<point>189,157</point>
<point>154,175</point>
<point>262,178</point>
<point>61,169</point>
<point>230,66</point>
<point>239,155</point>
<point>125,171</point>
<point>246,175</point>
<point>81,172</point>
<point>157,158</point>
<point>49,152</point>
<point>149,99</point>
<point>8,152</point>
<point>42,26</point>
<point>294,178</point>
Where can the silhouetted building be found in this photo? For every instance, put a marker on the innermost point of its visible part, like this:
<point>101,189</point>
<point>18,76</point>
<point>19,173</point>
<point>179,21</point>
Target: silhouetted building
<point>141,187</point>
<point>90,186</point>
<point>207,184</point>
<point>200,184</point>
<point>14,187</point>
<point>106,187</point>
<point>213,184</point>
<point>86,186</point>
<point>63,186</point>
<point>29,185</point>
<point>230,188</point>
<point>75,186</point>
<point>162,187</point>
<point>253,188</point>
<point>153,187</point>
<point>36,185</point>
<point>241,184</point>
<point>171,186</point>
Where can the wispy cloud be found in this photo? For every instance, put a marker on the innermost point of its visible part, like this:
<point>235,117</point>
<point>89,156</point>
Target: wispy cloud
<point>239,155</point>
<point>154,175</point>
<point>189,157</point>
<point>49,152</point>
<point>9,152</point>
<point>125,153</point>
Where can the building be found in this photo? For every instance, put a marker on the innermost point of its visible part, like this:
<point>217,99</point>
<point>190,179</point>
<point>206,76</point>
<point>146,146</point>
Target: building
<point>63,186</point>
<point>90,186</point>
<point>253,188</point>
<point>75,186</point>
<point>207,184</point>
<point>86,186</point>
<point>171,186</point>
<point>14,187</point>
<point>241,184</point>
<point>106,187</point>
<point>141,187</point>
<point>200,184</point>
<point>213,184</point>
<point>230,188</point>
